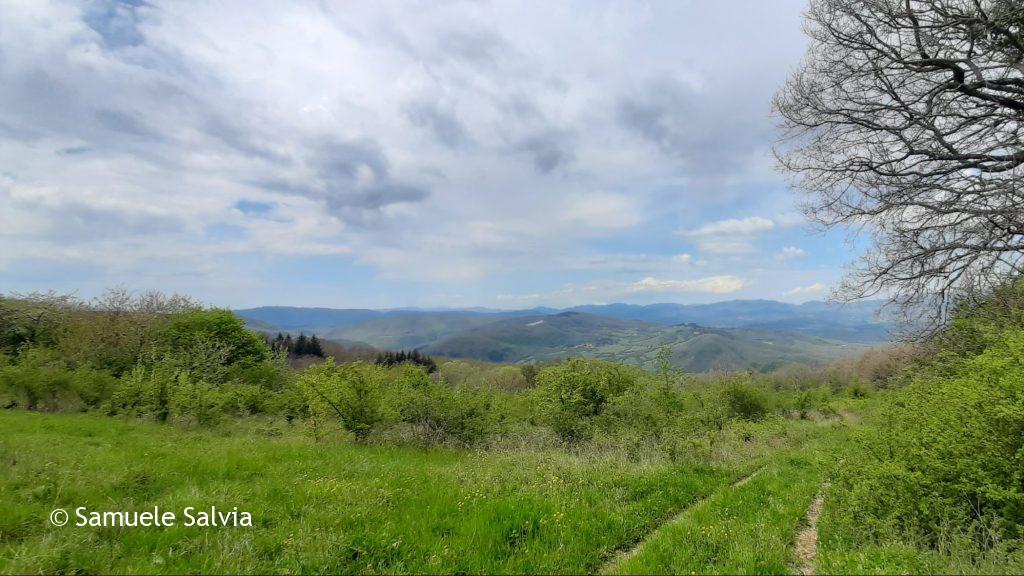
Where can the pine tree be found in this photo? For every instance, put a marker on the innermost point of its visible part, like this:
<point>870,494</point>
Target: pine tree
<point>315,349</point>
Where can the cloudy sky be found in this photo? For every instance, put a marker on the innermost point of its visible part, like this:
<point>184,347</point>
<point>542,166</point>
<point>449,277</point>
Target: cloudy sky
<point>401,153</point>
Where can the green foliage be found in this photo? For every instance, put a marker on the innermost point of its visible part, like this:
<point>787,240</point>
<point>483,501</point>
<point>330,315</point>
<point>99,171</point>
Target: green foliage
<point>745,400</point>
<point>33,319</point>
<point>441,414</point>
<point>39,379</point>
<point>353,395</point>
<point>978,324</point>
<point>577,390</point>
<point>218,329</point>
<point>944,467</point>
<point>401,357</point>
<point>950,455</point>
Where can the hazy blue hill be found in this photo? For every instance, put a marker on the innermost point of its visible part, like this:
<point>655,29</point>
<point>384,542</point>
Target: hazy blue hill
<point>693,348</point>
<point>294,318</point>
<point>407,331</point>
<point>389,329</point>
<point>737,334</point>
<point>854,322</point>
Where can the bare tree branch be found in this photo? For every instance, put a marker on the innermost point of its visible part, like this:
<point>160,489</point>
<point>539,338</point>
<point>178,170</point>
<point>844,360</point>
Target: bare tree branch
<point>905,121</point>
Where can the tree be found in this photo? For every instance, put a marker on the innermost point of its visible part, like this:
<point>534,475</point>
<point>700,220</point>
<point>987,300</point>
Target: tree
<point>217,328</point>
<point>905,121</point>
<point>572,393</point>
<point>315,348</point>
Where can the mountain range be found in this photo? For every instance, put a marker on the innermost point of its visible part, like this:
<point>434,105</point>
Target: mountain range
<point>738,334</point>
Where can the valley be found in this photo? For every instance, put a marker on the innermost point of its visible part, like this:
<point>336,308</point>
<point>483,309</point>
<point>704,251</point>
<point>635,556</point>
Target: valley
<point>738,335</point>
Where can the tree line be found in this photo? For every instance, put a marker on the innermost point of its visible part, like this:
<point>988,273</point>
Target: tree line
<point>295,347</point>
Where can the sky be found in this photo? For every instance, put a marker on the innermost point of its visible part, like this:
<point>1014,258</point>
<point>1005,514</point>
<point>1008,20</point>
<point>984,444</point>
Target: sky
<point>390,154</point>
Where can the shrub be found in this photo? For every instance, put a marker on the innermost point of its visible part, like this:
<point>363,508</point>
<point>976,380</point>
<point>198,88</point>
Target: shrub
<point>811,400</point>
<point>93,387</point>
<point>949,455</point>
<point>39,380</point>
<point>509,378</point>
<point>196,400</point>
<point>647,408</point>
<point>37,319</point>
<point>746,401</point>
<point>145,391</point>
<point>441,414</point>
<point>574,392</point>
<point>353,395</point>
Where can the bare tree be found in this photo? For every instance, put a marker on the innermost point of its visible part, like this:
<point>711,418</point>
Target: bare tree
<point>905,122</point>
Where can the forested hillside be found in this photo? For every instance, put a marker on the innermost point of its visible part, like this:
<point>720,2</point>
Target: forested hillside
<point>688,347</point>
<point>734,335</point>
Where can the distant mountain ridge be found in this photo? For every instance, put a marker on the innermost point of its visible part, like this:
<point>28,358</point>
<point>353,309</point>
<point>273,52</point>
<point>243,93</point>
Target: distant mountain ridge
<point>854,322</point>
<point>690,347</point>
<point>728,335</point>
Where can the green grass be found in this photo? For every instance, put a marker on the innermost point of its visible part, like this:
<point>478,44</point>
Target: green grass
<point>746,529</point>
<point>319,508</point>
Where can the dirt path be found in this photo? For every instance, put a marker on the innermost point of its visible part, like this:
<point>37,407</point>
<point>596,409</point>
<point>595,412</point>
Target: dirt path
<point>807,539</point>
<point>612,566</point>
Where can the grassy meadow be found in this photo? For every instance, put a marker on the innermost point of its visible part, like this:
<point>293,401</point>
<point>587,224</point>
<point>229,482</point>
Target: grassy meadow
<point>328,507</point>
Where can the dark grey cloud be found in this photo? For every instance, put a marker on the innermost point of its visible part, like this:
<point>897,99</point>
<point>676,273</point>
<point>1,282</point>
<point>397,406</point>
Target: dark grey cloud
<point>478,46</point>
<point>709,132</point>
<point>72,221</point>
<point>125,123</point>
<point>349,176</point>
<point>35,101</point>
<point>443,124</point>
<point>548,150</point>
<point>74,150</point>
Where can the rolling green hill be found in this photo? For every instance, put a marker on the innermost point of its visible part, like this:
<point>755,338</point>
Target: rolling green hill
<point>692,348</point>
<point>751,334</point>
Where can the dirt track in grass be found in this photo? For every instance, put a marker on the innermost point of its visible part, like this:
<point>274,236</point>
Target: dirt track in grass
<point>807,539</point>
<point>621,557</point>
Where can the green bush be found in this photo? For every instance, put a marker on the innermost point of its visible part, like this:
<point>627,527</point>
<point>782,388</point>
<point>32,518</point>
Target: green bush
<point>214,328</point>
<point>574,392</point>
<point>647,408</point>
<point>439,413</point>
<point>40,380</point>
<point>352,395</point>
<point>949,455</point>
<point>196,401</point>
<point>745,400</point>
<point>146,392</point>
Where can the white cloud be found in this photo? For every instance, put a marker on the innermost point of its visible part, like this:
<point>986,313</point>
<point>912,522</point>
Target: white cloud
<point>603,210</point>
<point>734,227</point>
<point>815,288</point>
<point>789,219</point>
<point>790,252</point>
<point>713,284</point>
<point>731,236</point>
<point>454,142</point>
<point>600,292</point>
